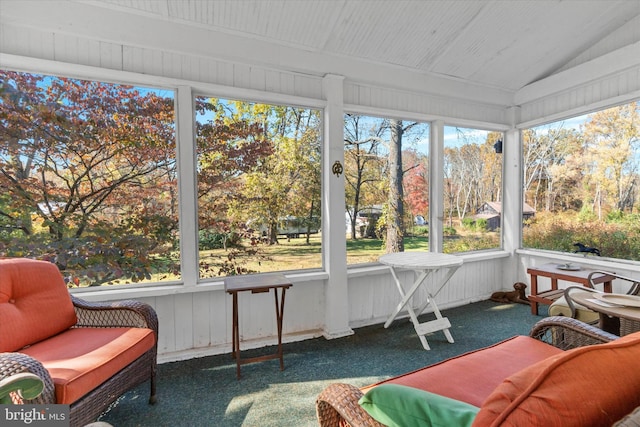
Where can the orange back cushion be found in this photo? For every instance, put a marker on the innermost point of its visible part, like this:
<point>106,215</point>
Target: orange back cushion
<point>588,386</point>
<point>34,303</point>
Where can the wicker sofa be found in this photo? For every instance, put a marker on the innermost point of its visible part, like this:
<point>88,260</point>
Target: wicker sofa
<point>87,354</point>
<point>566,373</point>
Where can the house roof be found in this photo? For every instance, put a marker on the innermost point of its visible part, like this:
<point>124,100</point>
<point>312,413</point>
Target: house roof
<point>497,206</point>
<point>470,49</point>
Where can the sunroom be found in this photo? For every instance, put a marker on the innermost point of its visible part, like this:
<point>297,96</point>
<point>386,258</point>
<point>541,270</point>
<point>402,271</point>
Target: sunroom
<point>522,84</point>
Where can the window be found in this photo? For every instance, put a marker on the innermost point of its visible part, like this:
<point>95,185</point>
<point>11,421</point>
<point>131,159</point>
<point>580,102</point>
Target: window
<point>472,189</point>
<point>88,178</point>
<point>582,178</point>
<point>370,145</point>
<point>259,187</point>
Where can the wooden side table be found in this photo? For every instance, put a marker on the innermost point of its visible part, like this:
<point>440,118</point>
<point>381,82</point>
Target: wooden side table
<point>256,284</point>
<point>555,273</point>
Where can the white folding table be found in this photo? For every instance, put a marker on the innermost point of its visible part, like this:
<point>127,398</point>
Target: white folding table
<point>424,263</point>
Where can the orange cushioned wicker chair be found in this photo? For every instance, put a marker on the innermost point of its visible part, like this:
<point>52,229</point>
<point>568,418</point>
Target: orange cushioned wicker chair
<point>566,373</point>
<point>87,354</point>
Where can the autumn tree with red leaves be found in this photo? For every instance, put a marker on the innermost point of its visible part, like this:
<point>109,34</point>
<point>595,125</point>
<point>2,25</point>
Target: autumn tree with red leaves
<point>93,163</point>
<point>416,182</point>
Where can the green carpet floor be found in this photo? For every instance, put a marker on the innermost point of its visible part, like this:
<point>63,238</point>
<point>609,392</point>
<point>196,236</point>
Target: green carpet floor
<point>205,391</point>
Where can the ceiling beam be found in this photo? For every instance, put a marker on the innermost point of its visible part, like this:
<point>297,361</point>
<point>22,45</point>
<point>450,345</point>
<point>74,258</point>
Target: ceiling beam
<point>140,30</point>
<point>599,68</point>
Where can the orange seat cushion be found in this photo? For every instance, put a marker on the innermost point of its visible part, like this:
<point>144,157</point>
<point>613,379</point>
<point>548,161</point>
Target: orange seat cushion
<point>589,386</point>
<point>34,303</point>
<point>471,377</point>
<point>81,359</point>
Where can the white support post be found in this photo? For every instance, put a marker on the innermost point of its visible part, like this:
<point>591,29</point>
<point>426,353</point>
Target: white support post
<point>334,247</point>
<point>186,157</point>
<point>436,186</point>
<point>513,197</point>
<point>512,200</point>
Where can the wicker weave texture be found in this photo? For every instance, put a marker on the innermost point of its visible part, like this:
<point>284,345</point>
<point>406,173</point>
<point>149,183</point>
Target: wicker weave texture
<point>16,363</point>
<point>90,407</point>
<point>129,313</point>
<point>337,405</point>
<point>629,326</point>
<point>566,333</point>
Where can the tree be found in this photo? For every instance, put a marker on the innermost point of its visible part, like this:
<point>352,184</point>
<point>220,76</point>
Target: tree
<point>399,131</point>
<point>554,162</point>
<point>416,182</point>
<point>231,143</point>
<point>76,145</point>
<point>364,164</point>
<point>86,159</point>
<point>395,212</point>
<point>287,182</point>
<point>612,137</point>
<point>490,188</point>
<point>259,164</point>
<point>473,173</point>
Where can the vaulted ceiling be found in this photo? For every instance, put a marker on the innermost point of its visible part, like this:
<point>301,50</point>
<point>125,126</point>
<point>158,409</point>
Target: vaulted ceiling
<point>502,45</point>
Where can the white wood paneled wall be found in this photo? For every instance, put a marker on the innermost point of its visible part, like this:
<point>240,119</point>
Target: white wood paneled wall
<point>606,74</point>
<point>617,88</point>
<point>433,106</point>
<point>199,323</point>
<point>188,68</point>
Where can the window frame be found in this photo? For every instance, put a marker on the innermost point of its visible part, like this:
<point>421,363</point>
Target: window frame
<point>554,119</point>
<point>184,91</point>
<point>184,108</point>
<point>436,171</point>
<point>91,74</point>
<point>265,100</point>
<point>488,130</point>
<point>187,174</point>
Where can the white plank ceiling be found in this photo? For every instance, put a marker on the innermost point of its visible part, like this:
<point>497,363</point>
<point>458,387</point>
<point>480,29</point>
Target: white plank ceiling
<point>499,44</point>
<point>475,49</point>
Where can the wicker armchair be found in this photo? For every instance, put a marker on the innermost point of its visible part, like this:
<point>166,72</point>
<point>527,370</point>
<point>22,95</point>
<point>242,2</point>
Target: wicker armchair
<point>337,405</point>
<point>103,315</point>
<point>88,407</point>
<point>577,311</point>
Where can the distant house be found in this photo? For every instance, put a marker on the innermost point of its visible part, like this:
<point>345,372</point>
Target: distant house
<point>366,220</point>
<point>492,212</point>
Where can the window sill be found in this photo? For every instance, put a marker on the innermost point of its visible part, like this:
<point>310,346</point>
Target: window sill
<point>106,293</point>
<point>372,269</point>
<point>120,292</point>
<point>592,261</point>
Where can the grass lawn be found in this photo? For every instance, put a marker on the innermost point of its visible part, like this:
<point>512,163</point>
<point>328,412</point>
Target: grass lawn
<point>294,254</point>
<point>297,254</point>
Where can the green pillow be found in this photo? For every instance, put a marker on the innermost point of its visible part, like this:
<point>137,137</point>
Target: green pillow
<point>401,406</point>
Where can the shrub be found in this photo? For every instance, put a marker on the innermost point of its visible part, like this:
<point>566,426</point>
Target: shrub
<point>481,224</point>
<point>97,259</point>
<point>421,230</point>
<point>468,223</point>
<point>472,243</point>
<point>210,239</point>
<point>559,233</point>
